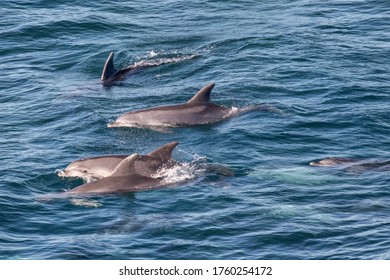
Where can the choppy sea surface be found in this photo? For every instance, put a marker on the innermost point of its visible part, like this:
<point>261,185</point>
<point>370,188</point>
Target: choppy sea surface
<point>325,65</point>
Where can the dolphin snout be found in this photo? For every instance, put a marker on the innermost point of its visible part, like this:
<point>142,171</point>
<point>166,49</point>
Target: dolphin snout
<point>112,124</point>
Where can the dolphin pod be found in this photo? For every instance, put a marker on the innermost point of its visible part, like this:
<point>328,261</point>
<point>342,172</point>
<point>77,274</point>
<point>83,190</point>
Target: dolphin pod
<point>134,173</point>
<point>102,166</point>
<point>98,167</point>
<point>199,110</point>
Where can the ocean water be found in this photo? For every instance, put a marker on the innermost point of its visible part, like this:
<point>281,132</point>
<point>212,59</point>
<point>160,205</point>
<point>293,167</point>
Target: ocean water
<point>325,66</point>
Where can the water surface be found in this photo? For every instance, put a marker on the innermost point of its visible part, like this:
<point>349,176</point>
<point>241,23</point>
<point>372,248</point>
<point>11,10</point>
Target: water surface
<point>325,66</point>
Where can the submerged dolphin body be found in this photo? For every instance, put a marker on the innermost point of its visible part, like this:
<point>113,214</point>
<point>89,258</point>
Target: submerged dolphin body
<point>134,173</point>
<point>110,74</point>
<point>332,161</point>
<point>103,166</point>
<point>353,165</point>
<point>197,111</point>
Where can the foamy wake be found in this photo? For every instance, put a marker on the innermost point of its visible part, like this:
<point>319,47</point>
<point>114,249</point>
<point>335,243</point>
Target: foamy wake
<point>183,171</point>
<point>160,61</point>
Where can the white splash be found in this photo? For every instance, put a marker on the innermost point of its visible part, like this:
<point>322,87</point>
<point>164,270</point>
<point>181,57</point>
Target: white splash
<point>60,172</point>
<point>183,171</point>
<point>179,173</point>
<point>152,54</point>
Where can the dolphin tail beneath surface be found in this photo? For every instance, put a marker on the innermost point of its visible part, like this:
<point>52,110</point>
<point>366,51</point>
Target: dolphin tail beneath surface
<point>108,69</point>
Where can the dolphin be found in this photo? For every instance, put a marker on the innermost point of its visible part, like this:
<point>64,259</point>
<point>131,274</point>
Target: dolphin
<point>198,110</point>
<point>103,166</point>
<point>353,165</point>
<point>110,74</point>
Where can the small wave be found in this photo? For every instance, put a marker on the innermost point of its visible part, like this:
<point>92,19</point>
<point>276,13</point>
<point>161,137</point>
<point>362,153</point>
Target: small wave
<point>50,197</point>
<point>260,107</point>
<point>85,202</point>
<point>194,157</point>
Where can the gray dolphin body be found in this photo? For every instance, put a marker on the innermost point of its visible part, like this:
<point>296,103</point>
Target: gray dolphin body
<point>197,111</point>
<point>134,173</point>
<point>353,165</point>
<point>103,166</point>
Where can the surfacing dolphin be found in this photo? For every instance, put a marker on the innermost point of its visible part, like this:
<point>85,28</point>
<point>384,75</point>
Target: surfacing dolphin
<point>332,161</point>
<point>353,165</point>
<point>198,110</point>
<point>103,166</point>
<point>134,173</point>
<point>110,74</point>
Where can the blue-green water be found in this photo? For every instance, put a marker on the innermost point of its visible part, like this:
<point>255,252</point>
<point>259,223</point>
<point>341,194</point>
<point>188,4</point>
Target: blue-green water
<point>323,64</point>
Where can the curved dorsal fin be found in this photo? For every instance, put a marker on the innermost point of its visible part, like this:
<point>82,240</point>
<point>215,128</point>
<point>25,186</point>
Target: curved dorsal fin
<point>108,69</point>
<point>164,152</point>
<point>203,95</point>
<point>126,166</point>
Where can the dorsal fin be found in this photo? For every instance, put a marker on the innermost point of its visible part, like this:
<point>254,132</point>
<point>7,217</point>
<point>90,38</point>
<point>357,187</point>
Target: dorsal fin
<point>126,166</point>
<point>108,69</point>
<point>203,95</point>
<point>164,152</point>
